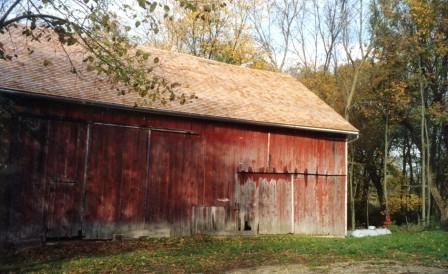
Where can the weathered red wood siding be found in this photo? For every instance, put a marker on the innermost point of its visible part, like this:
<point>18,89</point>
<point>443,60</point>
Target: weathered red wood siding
<point>63,172</point>
<point>98,172</point>
<point>116,181</point>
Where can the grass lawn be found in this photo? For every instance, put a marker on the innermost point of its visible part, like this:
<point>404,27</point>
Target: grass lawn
<point>213,254</point>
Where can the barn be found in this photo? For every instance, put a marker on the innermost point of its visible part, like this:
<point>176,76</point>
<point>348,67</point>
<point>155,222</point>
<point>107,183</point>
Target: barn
<point>255,152</point>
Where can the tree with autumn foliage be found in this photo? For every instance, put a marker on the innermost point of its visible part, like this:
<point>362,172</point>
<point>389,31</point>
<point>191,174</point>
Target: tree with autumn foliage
<point>214,30</point>
<point>412,39</point>
<point>397,98</point>
<point>101,28</point>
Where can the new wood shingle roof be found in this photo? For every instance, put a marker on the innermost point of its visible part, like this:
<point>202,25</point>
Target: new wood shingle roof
<point>222,90</point>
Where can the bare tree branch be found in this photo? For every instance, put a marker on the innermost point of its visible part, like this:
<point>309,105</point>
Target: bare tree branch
<point>30,16</point>
<point>6,14</point>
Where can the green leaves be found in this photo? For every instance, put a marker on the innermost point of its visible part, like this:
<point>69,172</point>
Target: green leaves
<point>142,3</point>
<point>105,38</point>
<point>153,7</point>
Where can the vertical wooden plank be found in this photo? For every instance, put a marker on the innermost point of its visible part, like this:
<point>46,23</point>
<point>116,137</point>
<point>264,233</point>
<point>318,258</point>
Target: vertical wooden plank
<point>319,209</point>
<point>84,177</point>
<point>299,188</point>
<point>300,209</point>
<point>147,178</point>
<point>326,212</point>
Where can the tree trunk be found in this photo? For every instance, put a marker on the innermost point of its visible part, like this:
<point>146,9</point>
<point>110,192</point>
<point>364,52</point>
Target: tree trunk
<point>428,173</point>
<point>386,144</point>
<point>367,205</point>
<point>442,204</point>
<point>423,144</point>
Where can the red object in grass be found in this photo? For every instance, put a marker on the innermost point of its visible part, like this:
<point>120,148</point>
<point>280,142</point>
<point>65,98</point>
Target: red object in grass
<point>387,221</point>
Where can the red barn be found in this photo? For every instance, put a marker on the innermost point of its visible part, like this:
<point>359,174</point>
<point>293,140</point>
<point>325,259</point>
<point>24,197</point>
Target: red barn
<point>255,153</point>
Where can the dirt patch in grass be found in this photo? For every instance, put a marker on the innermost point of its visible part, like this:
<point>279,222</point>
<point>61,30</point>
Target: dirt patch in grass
<point>371,267</point>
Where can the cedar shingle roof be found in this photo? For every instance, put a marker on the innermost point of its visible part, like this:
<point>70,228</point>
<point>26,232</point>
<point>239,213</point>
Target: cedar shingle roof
<point>223,90</point>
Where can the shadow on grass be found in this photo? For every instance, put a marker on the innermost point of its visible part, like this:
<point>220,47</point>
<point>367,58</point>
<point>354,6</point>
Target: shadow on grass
<point>216,254</point>
<point>53,255</point>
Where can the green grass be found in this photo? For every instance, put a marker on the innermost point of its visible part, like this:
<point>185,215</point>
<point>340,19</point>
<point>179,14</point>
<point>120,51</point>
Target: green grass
<point>212,254</point>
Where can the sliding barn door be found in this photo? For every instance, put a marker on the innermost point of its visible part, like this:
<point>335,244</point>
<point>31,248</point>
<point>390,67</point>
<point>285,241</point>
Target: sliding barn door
<point>117,179</point>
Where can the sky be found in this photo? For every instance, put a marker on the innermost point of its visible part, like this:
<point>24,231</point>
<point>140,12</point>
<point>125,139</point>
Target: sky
<point>264,18</point>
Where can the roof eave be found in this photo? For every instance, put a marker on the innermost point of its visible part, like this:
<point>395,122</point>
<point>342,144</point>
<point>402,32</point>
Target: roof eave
<point>173,113</point>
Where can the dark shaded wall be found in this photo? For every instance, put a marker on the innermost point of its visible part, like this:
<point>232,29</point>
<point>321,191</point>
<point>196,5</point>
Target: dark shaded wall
<point>92,172</point>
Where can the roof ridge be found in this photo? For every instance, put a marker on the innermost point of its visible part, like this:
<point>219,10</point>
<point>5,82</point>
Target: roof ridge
<point>222,90</point>
<point>211,61</point>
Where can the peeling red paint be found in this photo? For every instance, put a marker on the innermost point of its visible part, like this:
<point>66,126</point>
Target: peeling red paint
<point>93,175</point>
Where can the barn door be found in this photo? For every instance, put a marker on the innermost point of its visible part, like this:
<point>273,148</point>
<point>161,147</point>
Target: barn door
<point>116,181</point>
<point>266,204</point>
<point>65,167</point>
